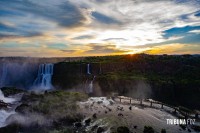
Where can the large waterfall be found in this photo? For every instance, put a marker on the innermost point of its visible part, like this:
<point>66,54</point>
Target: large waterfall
<point>43,80</point>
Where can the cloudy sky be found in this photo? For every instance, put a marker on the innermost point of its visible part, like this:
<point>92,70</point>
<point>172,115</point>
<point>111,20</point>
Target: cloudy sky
<point>57,28</point>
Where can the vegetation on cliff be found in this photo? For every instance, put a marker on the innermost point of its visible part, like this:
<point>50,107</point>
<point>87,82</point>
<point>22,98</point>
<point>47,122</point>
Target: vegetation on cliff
<point>55,104</point>
<point>174,79</point>
<point>7,91</point>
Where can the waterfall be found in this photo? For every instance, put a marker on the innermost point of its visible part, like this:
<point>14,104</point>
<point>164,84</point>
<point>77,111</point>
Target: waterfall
<point>43,80</point>
<point>6,113</point>
<point>3,113</point>
<point>5,99</point>
<point>3,75</point>
<point>88,69</point>
<point>90,88</point>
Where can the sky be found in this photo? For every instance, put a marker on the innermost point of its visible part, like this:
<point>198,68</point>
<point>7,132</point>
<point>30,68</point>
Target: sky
<point>70,28</point>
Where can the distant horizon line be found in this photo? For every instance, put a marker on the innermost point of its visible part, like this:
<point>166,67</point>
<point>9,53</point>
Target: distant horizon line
<point>94,55</point>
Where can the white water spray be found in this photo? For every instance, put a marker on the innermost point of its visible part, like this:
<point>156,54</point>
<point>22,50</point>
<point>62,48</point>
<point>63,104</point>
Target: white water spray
<point>5,99</point>
<point>4,114</point>
<point>90,88</point>
<point>43,80</point>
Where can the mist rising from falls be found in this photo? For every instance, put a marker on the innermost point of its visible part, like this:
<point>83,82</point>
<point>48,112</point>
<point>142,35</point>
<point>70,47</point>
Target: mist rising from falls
<point>3,75</point>
<point>90,87</point>
<point>3,116</point>
<point>43,80</point>
<point>17,74</point>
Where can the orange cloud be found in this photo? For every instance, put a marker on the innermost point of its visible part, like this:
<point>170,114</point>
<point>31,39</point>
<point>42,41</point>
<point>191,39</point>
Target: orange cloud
<point>174,49</point>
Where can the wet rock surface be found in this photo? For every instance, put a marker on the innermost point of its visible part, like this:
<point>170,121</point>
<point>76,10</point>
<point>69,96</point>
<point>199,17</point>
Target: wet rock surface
<point>97,114</point>
<point>22,108</point>
<point>3,105</point>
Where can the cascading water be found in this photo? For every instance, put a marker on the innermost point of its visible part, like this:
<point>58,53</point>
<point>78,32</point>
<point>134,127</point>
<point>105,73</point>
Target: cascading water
<point>90,88</point>
<point>4,114</point>
<point>4,99</point>
<point>3,75</point>
<point>43,80</point>
<point>88,69</point>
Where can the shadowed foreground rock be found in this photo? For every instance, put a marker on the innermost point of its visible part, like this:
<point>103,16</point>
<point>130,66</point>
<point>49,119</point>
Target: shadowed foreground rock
<point>123,129</point>
<point>3,105</point>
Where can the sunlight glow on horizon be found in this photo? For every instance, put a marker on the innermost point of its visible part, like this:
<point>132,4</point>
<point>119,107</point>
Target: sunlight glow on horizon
<point>92,28</point>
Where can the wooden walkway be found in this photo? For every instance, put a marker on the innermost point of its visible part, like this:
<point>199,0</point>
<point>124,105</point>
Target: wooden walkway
<point>150,103</point>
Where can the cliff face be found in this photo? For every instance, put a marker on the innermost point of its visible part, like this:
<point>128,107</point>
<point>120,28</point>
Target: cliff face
<point>173,80</point>
<point>66,75</point>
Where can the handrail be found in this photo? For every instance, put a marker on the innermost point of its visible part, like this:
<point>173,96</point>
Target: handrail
<point>186,114</point>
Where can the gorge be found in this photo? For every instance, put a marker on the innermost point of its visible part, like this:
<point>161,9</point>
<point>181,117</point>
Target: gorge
<point>169,81</point>
<point>46,91</point>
